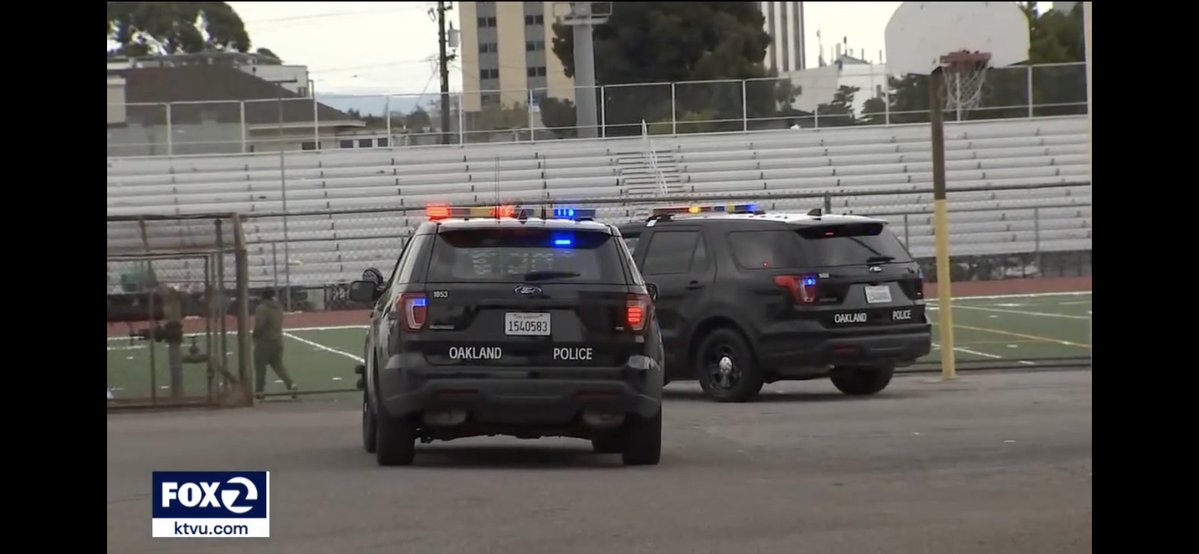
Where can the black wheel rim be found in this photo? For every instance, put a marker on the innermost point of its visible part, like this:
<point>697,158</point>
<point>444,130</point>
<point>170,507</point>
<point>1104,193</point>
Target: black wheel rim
<point>724,373</point>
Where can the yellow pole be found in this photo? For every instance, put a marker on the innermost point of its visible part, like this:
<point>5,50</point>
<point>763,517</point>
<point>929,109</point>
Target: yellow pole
<point>944,296</point>
<point>941,224</point>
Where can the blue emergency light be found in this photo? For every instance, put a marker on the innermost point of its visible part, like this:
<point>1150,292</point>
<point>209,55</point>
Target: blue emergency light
<point>573,214</point>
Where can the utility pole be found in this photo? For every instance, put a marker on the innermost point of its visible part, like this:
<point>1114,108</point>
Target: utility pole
<point>583,17</point>
<point>444,60</point>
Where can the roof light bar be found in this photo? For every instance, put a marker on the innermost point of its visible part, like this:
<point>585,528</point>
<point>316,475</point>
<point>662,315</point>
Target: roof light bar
<point>715,208</point>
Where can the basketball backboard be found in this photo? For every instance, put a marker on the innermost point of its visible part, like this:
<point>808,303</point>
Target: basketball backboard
<point>920,33</point>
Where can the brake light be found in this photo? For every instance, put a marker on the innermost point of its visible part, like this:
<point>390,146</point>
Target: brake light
<point>413,307</point>
<point>637,311</point>
<point>802,287</point>
<point>920,284</point>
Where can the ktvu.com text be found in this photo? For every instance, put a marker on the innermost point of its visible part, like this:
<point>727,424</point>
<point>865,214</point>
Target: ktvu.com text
<point>232,504</point>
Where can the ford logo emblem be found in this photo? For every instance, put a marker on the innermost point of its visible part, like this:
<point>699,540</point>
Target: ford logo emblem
<point>527,290</point>
<point>876,269</point>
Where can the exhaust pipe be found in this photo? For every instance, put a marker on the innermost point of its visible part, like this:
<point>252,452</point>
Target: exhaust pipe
<point>602,420</point>
<point>444,418</point>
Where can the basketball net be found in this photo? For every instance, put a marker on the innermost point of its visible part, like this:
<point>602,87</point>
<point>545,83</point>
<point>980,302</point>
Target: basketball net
<point>965,73</point>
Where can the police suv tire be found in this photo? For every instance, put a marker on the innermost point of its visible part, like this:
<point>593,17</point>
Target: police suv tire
<point>748,385</point>
<point>643,441</point>
<point>395,440</point>
<point>862,381</point>
<point>370,425</point>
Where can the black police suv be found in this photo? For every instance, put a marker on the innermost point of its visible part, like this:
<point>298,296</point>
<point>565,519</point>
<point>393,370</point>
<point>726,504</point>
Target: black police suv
<point>747,297</point>
<point>512,325</point>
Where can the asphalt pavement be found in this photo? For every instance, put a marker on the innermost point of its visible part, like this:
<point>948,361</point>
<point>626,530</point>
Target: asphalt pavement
<point>993,462</point>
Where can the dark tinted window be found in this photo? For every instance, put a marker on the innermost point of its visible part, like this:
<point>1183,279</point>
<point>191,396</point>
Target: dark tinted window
<point>526,255</point>
<point>852,244</point>
<point>670,252</point>
<point>765,249</point>
<point>408,262</point>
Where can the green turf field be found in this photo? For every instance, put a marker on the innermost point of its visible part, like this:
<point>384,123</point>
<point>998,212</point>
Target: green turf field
<point>1025,330</point>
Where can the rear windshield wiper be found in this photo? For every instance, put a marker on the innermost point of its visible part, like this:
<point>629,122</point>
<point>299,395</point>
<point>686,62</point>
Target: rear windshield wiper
<point>545,275</point>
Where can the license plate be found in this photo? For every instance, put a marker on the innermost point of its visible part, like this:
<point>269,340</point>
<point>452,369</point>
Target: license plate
<point>526,324</point>
<point>878,295</point>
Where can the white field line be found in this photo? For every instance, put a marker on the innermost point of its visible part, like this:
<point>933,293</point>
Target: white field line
<point>1004,296</point>
<point>977,353</point>
<point>234,331</point>
<point>1020,312</point>
<point>320,346</point>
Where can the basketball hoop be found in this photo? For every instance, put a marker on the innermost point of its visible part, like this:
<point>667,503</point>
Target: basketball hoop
<point>965,73</point>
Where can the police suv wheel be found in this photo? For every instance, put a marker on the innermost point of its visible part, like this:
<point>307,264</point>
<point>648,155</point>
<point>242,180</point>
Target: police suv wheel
<point>724,364</point>
<point>643,441</point>
<point>395,440</point>
<point>861,381</point>
<point>369,426</point>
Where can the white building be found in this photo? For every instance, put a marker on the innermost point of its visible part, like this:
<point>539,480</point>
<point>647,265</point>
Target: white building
<point>819,84</point>
<point>785,25</point>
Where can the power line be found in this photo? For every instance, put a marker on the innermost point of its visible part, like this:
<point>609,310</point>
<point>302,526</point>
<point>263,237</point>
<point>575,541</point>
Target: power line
<point>344,69</point>
<point>405,8</point>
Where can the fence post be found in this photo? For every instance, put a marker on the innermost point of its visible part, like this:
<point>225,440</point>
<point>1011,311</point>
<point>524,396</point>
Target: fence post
<point>744,109</point>
<point>242,268</point>
<point>387,119</point>
<point>603,113</point>
<point>828,203</point>
<point>242,121</point>
<point>816,117</point>
<point>1036,235</point>
<point>170,132</point>
<point>907,234</point>
<point>275,265</point>
<point>1028,72</point>
<point>316,125</point>
<point>887,108</point>
<point>674,130</point>
<point>461,120</point>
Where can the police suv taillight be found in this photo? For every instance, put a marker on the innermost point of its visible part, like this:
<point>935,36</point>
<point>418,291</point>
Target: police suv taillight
<point>637,311</point>
<point>413,308</point>
<point>803,288</point>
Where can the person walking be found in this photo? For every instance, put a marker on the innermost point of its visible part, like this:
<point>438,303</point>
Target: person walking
<point>268,342</point>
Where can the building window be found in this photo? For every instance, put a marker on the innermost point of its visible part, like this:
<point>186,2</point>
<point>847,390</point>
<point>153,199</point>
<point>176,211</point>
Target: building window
<point>346,144</point>
<point>489,99</point>
<point>488,47</point>
<point>538,71</point>
<point>366,143</point>
<point>489,74</point>
<point>381,142</point>
<point>308,145</point>
<point>535,46</point>
<point>535,19</point>
<point>486,22</point>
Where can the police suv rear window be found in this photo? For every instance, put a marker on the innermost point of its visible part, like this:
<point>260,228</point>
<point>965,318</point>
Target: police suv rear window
<point>829,245</point>
<point>854,244</point>
<point>525,255</point>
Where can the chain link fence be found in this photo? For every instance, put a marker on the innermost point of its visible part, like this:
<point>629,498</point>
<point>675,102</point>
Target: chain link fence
<point>817,98</point>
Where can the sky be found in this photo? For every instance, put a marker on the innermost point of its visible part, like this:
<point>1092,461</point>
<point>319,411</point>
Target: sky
<point>391,47</point>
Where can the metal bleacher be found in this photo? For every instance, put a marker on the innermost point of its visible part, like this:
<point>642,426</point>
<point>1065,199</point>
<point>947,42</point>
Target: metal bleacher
<point>997,172</point>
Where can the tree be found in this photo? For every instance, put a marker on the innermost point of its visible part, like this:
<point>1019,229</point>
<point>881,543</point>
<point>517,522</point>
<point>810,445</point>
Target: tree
<point>268,52</point>
<point>559,115</point>
<point>839,112</point>
<point>664,42</point>
<point>163,28</point>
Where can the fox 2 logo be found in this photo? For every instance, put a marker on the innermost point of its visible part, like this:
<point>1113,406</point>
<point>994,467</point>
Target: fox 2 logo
<point>211,503</point>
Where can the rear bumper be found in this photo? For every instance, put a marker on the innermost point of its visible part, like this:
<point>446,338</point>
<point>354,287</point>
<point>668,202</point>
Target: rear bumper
<point>787,352</point>
<point>516,396</point>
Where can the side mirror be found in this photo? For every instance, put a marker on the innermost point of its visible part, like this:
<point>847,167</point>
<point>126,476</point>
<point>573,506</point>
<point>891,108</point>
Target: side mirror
<point>364,291</point>
<point>372,274</point>
<point>653,291</point>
